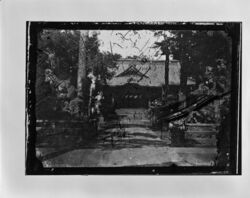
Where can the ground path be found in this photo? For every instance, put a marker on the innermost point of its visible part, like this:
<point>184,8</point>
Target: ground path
<point>127,142</point>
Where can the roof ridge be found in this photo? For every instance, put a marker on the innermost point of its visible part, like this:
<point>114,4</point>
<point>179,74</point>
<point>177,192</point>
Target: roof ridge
<point>130,71</point>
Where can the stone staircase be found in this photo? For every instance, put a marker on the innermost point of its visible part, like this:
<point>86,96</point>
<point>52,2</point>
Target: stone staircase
<point>132,128</point>
<point>128,118</point>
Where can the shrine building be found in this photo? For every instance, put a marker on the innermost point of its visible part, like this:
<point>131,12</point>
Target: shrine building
<point>136,83</point>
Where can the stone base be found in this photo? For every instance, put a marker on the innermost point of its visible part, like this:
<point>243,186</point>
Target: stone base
<point>201,134</point>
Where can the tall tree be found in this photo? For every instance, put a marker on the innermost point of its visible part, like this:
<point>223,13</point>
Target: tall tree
<point>59,51</point>
<point>82,65</point>
<point>195,50</point>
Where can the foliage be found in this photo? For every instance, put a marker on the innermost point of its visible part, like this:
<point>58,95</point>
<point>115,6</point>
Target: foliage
<point>196,50</point>
<point>59,50</point>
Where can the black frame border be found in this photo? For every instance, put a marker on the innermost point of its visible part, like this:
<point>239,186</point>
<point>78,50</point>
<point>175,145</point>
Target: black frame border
<point>234,30</point>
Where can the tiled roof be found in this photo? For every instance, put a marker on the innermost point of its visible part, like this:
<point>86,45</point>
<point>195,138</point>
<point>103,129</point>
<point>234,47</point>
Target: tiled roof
<point>150,73</point>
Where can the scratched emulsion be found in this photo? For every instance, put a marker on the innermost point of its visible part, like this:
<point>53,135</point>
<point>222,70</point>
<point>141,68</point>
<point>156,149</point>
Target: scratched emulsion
<point>134,94</point>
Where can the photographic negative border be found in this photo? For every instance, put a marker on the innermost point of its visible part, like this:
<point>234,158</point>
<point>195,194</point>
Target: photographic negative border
<point>234,31</point>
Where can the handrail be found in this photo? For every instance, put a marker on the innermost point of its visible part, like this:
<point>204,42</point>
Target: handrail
<point>184,111</point>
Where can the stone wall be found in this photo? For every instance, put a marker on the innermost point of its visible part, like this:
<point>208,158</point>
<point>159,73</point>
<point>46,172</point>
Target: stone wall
<point>201,134</point>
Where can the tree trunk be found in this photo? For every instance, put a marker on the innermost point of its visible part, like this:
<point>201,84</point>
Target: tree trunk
<point>166,74</point>
<point>82,66</point>
<point>184,67</point>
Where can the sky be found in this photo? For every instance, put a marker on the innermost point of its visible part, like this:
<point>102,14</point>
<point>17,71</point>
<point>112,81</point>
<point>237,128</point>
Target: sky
<point>130,43</point>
